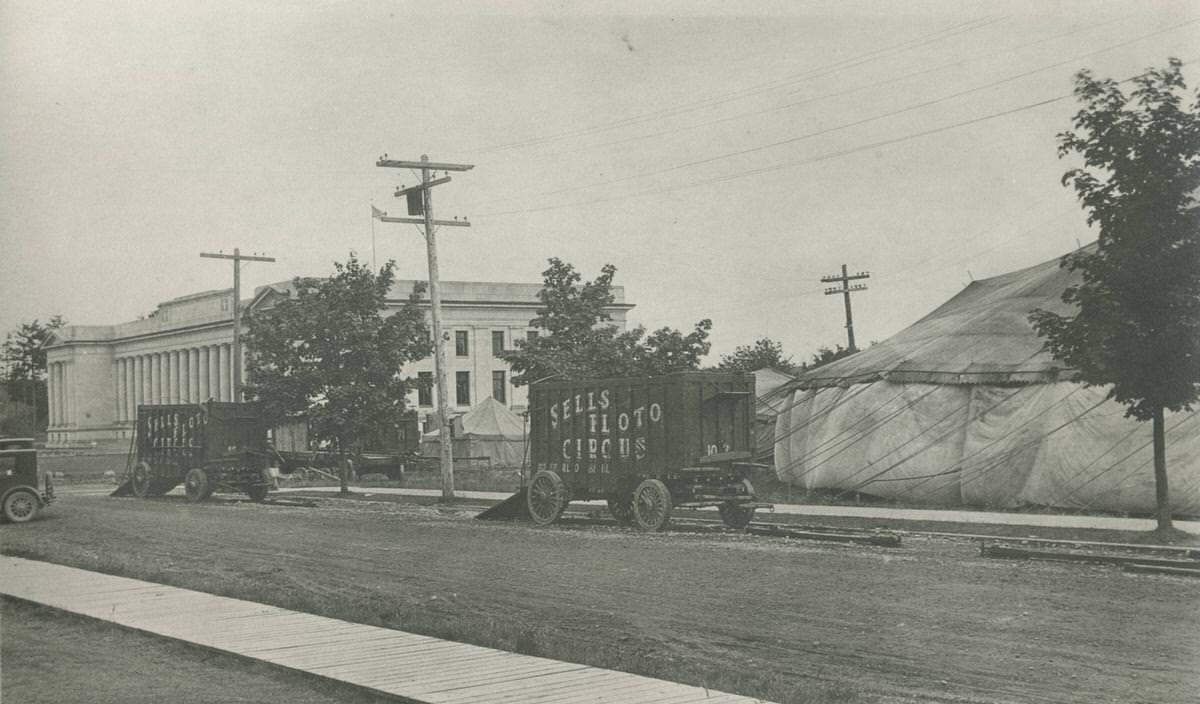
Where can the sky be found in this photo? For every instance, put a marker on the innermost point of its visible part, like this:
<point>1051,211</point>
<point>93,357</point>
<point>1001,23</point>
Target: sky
<point>724,156</point>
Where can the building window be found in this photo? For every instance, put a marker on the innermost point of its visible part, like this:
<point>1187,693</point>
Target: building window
<point>460,343</point>
<point>497,342</point>
<point>462,388</point>
<point>224,304</point>
<point>424,388</point>
<point>499,388</point>
<point>531,335</point>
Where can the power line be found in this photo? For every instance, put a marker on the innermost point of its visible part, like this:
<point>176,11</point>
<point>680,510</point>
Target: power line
<point>857,123</point>
<point>857,89</point>
<point>758,89</point>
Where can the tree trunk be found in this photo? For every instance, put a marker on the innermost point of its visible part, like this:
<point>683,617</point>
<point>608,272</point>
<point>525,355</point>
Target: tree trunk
<point>1160,472</point>
<point>344,476</point>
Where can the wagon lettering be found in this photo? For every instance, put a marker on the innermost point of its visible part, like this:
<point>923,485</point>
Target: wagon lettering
<point>631,441</point>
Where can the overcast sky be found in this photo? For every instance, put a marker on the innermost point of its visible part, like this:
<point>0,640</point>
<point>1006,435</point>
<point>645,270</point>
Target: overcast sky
<point>724,156</point>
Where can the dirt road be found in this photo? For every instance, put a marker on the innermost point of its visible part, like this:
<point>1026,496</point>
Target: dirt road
<point>789,622</point>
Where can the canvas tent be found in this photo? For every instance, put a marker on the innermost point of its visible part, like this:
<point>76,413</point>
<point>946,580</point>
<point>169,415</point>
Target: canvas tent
<point>964,407</point>
<point>488,430</point>
<point>771,394</point>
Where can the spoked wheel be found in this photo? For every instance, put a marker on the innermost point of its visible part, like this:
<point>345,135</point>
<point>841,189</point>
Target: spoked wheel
<point>257,492</point>
<point>651,505</point>
<point>621,509</point>
<point>20,506</point>
<point>196,485</point>
<point>736,516</point>
<point>142,481</point>
<point>547,497</point>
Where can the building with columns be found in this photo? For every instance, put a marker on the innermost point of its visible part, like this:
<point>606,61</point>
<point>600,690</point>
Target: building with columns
<point>182,353</point>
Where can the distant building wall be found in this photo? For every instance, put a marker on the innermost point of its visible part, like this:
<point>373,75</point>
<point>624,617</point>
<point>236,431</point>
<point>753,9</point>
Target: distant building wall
<point>182,353</point>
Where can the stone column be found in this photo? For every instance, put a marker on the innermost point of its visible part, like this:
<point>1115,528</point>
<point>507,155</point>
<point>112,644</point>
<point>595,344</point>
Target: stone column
<point>51,389</point>
<point>69,392</point>
<point>128,398</point>
<point>118,368</point>
<point>224,369</point>
<point>184,374</point>
<point>180,376</point>
<point>55,394</point>
<point>155,362</point>
<point>194,375</point>
<point>205,370</point>
<point>139,383</point>
<point>131,399</point>
<point>62,394</point>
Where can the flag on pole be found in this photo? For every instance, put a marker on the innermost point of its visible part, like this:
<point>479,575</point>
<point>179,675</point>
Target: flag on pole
<point>377,213</point>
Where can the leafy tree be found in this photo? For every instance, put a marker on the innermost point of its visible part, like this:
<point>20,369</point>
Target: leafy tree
<point>23,367</point>
<point>1137,325</point>
<point>24,354</point>
<point>576,342</point>
<point>763,353</point>
<point>330,353</point>
<point>825,355</point>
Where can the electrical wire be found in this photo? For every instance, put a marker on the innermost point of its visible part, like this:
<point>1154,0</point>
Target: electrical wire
<point>850,91</point>
<point>754,90</point>
<point>835,128</point>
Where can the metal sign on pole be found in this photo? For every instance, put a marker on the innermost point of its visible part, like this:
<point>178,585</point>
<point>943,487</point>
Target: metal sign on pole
<point>424,190</point>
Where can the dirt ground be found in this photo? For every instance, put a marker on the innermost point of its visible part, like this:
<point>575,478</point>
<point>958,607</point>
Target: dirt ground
<point>51,656</point>
<point>790,622</point>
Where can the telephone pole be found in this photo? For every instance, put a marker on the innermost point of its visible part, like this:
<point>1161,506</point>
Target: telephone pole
<point>845,290</point>
<point>237,258</point>
<point>420,202</point>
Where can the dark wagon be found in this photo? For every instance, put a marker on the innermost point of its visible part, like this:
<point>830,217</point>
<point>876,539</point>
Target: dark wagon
<point>646,445</point>
<point>205,447</point>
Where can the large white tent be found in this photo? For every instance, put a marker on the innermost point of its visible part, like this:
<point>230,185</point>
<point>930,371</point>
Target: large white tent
<point>965,407</point>
<point>489,430</point>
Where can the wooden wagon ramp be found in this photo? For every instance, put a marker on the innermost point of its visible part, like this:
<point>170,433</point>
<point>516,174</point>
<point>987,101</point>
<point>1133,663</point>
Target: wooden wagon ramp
<point>409,667</point>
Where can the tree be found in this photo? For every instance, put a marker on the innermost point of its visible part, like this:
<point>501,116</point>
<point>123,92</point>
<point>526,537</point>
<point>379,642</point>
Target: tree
<point>23,365</point>
<point>329,353</point>
<point>825,355</point>
<point>763,353</point>
<point>576,342</point>
<point>1136,328</point>
<point>24,353</point>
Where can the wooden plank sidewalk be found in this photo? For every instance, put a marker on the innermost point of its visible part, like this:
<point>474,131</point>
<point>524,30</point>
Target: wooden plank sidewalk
<point>409,667</point>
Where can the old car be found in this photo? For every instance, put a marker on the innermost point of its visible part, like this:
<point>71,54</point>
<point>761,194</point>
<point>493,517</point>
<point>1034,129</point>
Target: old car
<point>24,488</point>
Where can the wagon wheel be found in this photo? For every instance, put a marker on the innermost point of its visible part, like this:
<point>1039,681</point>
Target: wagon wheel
<point>621,508</point>
<point>142,480</point>
<point>257,492</point>
<point>20,506</point>
<point>736,516</point>
<point>651,505</point>
<point>196,485</point>
<point>547,497</point>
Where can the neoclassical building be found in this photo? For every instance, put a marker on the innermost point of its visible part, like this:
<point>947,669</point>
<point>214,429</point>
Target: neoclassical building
<point>182,353</point>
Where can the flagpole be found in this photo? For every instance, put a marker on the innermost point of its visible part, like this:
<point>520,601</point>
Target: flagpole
<point>372,237</point>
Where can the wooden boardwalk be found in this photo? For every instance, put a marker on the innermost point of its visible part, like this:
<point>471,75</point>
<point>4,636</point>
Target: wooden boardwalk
<point>409,667</point>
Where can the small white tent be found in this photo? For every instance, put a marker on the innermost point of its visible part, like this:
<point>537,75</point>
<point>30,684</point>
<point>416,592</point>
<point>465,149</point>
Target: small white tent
<point>965,407</point>
<point>488,430</point>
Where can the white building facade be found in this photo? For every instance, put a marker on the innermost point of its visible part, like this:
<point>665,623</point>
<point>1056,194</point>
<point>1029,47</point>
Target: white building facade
<point>182,353</point>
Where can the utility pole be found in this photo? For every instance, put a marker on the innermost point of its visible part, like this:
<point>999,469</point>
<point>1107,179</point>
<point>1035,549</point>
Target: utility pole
<point>237,258</point>
<point>845,290</point>
<point>420,202</point>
